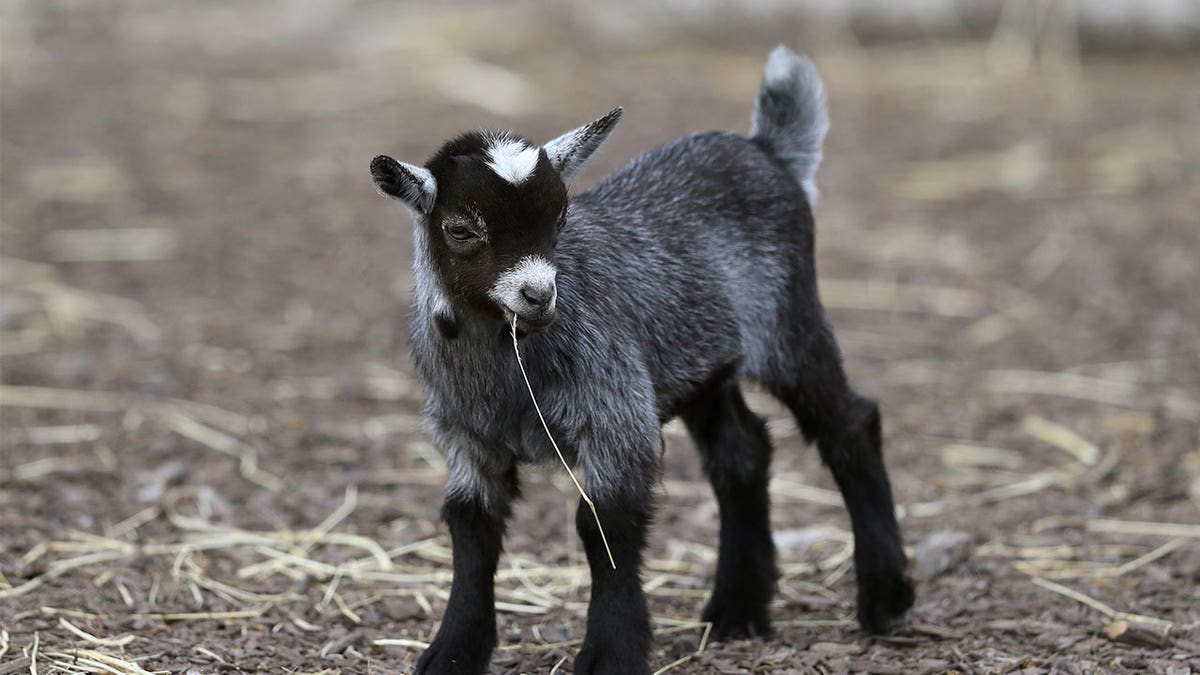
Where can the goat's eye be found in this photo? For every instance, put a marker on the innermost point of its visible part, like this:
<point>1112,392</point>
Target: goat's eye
<point>459,232</point>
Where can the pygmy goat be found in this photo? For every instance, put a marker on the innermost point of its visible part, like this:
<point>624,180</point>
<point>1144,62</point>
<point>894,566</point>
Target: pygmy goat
<point>647,297</point>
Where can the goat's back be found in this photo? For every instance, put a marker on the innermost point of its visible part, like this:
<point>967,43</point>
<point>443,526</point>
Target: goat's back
<point>700,251</point>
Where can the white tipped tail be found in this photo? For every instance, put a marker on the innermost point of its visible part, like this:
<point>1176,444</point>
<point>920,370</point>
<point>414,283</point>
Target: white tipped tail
<point>790,116</point>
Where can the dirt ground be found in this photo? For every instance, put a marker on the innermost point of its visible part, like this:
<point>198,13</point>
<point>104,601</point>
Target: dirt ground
<point>212,459</point>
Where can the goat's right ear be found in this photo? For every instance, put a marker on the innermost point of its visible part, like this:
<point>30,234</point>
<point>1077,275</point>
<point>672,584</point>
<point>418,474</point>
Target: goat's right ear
<point>412,185</point>
<point>569,152</point>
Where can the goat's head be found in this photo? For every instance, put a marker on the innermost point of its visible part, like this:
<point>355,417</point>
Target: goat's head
<point>489,207</point>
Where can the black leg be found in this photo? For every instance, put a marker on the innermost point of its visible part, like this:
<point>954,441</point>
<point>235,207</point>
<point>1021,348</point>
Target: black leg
<point>736,451</point>
<point>618,623</point>
<point>467,635</point>
<point>846,429</point>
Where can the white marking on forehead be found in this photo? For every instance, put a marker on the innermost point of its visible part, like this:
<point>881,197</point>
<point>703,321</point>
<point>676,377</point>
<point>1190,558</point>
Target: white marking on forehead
<point>512,160</point>
<point>530,272</point>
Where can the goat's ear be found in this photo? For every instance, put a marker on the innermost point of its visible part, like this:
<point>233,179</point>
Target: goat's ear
<point>412,185</point>
<point>569,152</point>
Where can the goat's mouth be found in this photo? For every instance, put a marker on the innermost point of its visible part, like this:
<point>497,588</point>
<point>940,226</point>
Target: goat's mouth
<point>527,323</point>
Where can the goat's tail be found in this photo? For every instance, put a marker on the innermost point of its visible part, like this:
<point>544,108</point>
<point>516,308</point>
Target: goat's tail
<point>790,116</point>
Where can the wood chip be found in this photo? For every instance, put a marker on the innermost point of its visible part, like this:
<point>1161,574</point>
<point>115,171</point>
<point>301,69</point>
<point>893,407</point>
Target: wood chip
<point>934,631</point>
<point>940,552</point>
<point>21,663</point>
<point>835,648</point>
<point>1133,634</point>
<point>874,668</point>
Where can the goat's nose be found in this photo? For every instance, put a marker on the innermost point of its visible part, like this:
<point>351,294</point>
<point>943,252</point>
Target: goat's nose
<point>538,296</point>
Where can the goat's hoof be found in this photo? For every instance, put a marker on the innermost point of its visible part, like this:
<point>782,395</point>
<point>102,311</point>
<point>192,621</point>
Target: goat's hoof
<point>883,603</point>
<point>733,620</point>
<point>607,659</point>
<point>454,657</point>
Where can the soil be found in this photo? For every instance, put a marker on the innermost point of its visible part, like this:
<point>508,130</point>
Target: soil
<point>212,459</point>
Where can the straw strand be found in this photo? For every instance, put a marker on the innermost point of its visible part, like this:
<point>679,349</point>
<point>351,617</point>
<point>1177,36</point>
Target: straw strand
<point>532,397</point>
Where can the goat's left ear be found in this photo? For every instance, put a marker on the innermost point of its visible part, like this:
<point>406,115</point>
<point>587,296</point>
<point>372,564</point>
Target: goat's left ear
<point>569,152</point>
<point>412,185</point>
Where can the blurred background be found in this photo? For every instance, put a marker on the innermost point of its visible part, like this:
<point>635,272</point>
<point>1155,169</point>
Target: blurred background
<point>211,456</point>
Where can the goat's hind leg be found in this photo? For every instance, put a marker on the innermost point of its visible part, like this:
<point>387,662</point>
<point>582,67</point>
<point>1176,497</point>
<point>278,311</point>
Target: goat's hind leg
<point>736,452</point>
<point>846,429</point>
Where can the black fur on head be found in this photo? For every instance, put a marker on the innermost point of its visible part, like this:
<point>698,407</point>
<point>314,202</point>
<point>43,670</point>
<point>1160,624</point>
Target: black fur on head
<point>485,223</point>
<point>489,207</point>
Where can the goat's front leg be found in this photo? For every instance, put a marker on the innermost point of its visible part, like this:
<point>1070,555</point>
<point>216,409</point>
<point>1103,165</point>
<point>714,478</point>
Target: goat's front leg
<point>467,635</point>
<point>618,624</point>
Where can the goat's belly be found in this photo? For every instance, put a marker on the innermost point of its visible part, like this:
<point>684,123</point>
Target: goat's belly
<point>698,359</point>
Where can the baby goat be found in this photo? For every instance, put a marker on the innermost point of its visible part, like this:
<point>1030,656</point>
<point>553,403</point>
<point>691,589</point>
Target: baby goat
<point>647,297</point>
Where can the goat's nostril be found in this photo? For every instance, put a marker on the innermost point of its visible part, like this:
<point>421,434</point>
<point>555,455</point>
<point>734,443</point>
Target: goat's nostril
<point>538,297</point>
